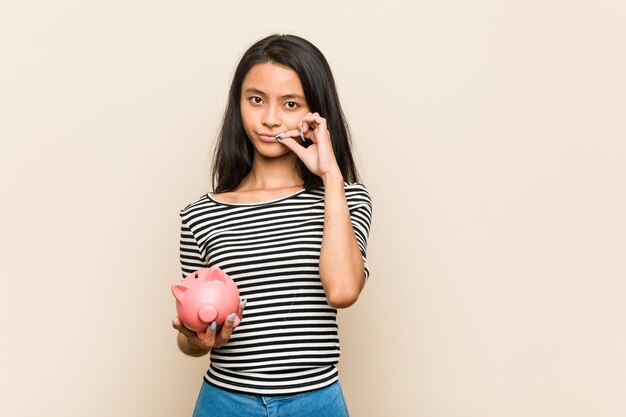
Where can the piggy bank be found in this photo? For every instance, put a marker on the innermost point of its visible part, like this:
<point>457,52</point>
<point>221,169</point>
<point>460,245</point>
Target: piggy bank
<point>205,296</point>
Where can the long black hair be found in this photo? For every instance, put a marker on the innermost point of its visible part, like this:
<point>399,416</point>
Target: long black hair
<point>234,152</point>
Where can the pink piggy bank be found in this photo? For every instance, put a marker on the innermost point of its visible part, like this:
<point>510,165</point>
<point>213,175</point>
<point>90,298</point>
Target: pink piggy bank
<point>205,296</point>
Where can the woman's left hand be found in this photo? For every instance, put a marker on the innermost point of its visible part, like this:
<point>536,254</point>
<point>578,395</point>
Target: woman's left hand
<point>318,157</point>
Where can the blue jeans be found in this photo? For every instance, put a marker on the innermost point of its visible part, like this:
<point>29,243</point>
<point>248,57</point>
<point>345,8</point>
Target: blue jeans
<point>322,402</point>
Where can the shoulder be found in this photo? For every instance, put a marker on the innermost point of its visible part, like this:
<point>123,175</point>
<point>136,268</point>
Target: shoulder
<point>357,193</point>
<point>200,205</point>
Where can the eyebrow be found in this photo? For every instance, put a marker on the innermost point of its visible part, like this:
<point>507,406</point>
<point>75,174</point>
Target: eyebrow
<point>284,96</point>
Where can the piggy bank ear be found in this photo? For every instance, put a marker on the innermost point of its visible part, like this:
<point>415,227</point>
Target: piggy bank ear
<point>179,291</point>
<point>215,274</point>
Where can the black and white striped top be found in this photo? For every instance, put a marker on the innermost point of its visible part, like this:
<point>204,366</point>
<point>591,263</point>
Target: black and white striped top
<point>287,341</point>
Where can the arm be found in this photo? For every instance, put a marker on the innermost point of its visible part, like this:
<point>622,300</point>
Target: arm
<point>342,269</point>
<point>188,342</point>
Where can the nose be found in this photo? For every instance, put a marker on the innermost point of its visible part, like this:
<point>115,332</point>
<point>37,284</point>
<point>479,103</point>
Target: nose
<point>271,117</point>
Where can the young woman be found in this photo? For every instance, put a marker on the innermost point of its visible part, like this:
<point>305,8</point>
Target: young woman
<point>289,222</point>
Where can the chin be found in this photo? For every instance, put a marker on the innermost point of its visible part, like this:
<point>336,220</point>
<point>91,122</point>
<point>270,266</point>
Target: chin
<point>272,153</point>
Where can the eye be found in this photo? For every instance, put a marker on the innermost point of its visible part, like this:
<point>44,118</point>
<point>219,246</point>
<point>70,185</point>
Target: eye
<point>256,100</point>
<point>292,105</point>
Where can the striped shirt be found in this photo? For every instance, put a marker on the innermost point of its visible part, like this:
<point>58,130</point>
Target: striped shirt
<point>287,341</point>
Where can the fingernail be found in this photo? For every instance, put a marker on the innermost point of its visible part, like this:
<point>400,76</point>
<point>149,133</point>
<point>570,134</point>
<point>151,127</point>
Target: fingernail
<point>231,318</point>
<point>173,323</point>
<point>302,135</point>
<point>278,137</point>
<point>213,326</point>
<point>243,304</point>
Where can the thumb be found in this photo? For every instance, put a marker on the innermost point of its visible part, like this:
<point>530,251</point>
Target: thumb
<point>293,145</point>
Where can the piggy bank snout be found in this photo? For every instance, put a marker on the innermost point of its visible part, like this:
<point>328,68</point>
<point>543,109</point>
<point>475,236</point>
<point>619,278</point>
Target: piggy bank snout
<point>207,313</point>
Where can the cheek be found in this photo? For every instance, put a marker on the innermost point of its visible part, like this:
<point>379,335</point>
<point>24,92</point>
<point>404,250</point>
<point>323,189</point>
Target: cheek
<point>292,119</point>
<point>247,116</point>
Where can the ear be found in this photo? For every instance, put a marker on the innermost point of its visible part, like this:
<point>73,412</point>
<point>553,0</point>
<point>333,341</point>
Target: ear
<point>215,274</point>
<point>179,291</point>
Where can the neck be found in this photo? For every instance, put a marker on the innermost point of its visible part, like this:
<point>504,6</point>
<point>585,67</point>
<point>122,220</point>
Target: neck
<point>272,173</point>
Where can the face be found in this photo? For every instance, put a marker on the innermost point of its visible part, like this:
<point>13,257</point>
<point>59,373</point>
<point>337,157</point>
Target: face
<point>272,102</point>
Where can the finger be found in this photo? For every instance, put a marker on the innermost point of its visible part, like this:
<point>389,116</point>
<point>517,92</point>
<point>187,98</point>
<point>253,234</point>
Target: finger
<point>310,135</point>
<point>295,146</point>
<point>315,119</point>
<point>308,124</point>
<point>229,325</point>
<point>242,306</point>
<point>303,126</point>
<point>315,127</point>
<point>226,331</point>
<point>209,338</point>
<point>294,133</point>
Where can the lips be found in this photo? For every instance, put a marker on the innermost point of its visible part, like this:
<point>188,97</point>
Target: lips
<point>266,137</point>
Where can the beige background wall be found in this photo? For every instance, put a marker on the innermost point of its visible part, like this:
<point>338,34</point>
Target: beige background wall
<point>490,134</point>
